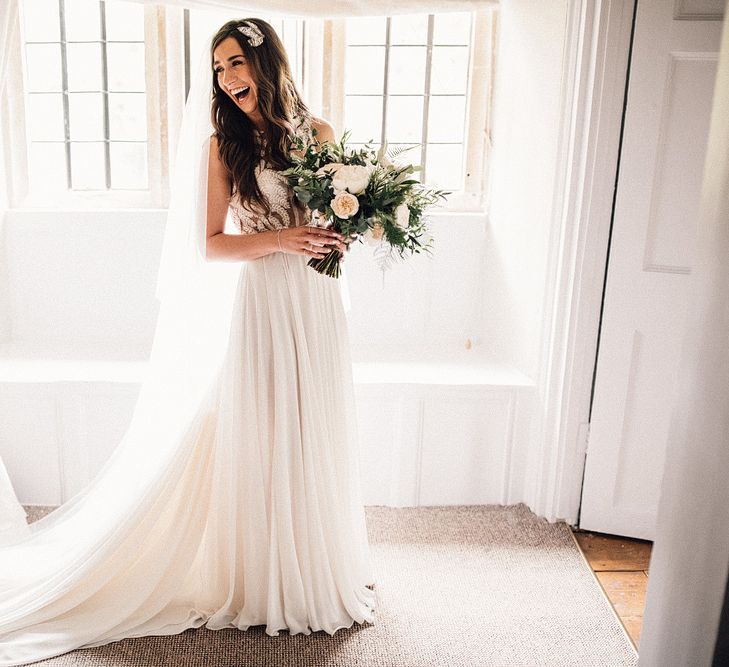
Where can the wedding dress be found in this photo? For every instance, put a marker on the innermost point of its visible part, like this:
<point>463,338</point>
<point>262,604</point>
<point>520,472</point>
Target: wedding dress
<point>256,519</point>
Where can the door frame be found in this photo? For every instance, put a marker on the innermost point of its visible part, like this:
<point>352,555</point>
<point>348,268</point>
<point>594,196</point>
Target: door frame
<point>594,90</point>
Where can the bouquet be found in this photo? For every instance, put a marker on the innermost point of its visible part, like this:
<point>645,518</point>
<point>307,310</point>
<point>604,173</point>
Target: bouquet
<point>362,193</point>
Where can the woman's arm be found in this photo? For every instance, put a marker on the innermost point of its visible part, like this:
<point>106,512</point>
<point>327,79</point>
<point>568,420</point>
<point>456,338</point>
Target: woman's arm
<point>229,247</point>
<point>241,247</point>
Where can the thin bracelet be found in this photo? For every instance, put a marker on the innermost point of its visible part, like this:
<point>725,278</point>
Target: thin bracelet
<point>278,236</point>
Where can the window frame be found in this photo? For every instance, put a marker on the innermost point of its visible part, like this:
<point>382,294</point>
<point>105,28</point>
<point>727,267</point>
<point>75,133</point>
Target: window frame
<point>324,53</point>
<point>21,192</point>
<point>324,70</point>
<point>479,102</point>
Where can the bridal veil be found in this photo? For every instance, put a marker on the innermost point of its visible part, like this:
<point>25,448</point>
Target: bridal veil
<point>52,555</point>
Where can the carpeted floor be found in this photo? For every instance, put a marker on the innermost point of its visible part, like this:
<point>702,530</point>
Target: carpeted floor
<point>457,586</point>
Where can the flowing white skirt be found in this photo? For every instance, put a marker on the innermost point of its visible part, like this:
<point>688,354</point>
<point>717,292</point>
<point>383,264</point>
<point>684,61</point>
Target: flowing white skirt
<point>259,519</point>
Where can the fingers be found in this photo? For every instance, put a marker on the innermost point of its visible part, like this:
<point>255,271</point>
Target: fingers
<point>312,250</point>
<point>334,242</point>
<point>319,251</point>
<point>314,253</point>
<point>318,242</point>
<point>322,249</point>
<point>320,231</point>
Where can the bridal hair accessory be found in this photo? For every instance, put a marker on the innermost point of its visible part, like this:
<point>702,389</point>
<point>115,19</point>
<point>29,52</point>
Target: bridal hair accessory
<point>253,32</point>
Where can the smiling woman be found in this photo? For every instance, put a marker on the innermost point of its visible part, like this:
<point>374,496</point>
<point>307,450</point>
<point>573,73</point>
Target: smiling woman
<point>234,499</point>
<point>237,80</point>
<point>251,75</point>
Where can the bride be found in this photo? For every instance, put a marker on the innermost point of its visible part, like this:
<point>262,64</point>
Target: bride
<point>234,498</point>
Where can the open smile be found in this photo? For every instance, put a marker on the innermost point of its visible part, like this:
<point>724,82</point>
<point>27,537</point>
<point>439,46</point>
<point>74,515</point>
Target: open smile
<point>240,93</point>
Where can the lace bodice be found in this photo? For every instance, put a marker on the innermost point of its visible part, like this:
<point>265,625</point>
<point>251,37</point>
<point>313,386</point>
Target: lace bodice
<point>274,187</point>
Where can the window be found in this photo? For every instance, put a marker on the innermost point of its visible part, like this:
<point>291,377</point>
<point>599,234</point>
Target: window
<point>405,79</point>
<point>423,81</point>
<point>406,82</point>
<point>105,85</point>
<point>85,95</point>
<point>199,25</point>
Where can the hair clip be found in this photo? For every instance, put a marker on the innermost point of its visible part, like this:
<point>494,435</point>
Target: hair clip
<point>252,32</point>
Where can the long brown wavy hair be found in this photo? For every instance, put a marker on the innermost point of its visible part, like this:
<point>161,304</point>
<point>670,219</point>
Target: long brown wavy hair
<point>279,102</point>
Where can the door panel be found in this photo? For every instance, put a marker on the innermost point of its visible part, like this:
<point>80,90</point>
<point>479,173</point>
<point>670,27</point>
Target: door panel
<point>670,90</point>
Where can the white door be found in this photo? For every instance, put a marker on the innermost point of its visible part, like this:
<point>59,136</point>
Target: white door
<point>670,89</point>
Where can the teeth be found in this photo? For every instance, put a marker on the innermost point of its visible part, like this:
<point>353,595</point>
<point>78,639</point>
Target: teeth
<point>237,91</point>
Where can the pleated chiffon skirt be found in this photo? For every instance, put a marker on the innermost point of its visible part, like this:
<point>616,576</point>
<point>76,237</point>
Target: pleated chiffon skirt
<point>259,520</point>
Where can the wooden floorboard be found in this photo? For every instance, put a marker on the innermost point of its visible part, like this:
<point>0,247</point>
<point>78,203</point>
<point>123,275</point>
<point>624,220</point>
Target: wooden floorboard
<point>621,565</point>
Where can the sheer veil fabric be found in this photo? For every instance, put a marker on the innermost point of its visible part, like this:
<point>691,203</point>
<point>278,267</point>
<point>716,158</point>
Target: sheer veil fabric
<point>233,498</point>
<point>12,515</point>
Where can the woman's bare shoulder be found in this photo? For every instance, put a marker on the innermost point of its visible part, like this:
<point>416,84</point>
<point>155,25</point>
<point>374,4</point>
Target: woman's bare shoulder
<point>324,129</point>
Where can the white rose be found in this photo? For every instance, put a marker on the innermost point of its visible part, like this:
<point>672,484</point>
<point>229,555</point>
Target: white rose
<point>329,169</point>
<point>402,216</point>
<point>351,177</point>
<point>345,205</point>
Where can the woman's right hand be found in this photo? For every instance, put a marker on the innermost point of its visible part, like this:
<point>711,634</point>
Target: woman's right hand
<point>310,241</point>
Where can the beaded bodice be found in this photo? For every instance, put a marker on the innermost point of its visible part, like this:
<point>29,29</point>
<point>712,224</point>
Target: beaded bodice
<point>274,186</point>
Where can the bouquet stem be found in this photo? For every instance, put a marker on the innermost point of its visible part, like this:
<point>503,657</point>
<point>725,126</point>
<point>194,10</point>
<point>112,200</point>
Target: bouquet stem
<point>328,265</point>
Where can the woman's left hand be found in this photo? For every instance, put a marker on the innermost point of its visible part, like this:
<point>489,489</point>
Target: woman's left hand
<point>303,216</point>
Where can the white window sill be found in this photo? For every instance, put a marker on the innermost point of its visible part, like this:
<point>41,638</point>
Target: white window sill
<point>85,201</point>
<point>24,362</point>
<point>114,207</point>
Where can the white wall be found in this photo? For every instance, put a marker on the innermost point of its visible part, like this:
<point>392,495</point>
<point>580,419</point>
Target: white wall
<point>473,314</point>
<point>429,305</point>
<point>83,277</point>
<point>451,418</point>
<point>87,278</point>
<point>525,142</point>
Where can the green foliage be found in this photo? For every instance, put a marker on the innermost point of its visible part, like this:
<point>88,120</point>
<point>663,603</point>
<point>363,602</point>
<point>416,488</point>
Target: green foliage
<point>389,187</point>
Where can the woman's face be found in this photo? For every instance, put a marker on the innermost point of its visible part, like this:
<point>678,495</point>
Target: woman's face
<point>235,77</point>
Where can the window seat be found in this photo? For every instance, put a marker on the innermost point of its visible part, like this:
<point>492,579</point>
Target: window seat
<point>64,408</point>
<point>42,362</point>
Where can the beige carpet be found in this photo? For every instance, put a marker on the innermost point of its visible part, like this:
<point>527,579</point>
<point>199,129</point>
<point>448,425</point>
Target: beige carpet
<point>457,586</point>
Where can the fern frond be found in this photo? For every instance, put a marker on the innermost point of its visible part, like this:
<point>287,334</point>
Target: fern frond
<point>396,152</point>
<point>384,256</point>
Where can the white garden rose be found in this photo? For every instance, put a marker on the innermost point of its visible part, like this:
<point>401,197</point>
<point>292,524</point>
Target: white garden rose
<point>345,205</point>
<point>351,177</point>
<point>402,216</point>
<point>329,169</point>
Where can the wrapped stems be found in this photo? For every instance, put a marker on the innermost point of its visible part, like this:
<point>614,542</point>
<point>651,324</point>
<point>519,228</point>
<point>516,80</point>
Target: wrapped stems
<point>328,265</point>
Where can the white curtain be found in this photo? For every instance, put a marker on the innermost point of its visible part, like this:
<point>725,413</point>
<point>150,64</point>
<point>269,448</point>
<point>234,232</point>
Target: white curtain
<point>332,8</point>
<point>12,515</point>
